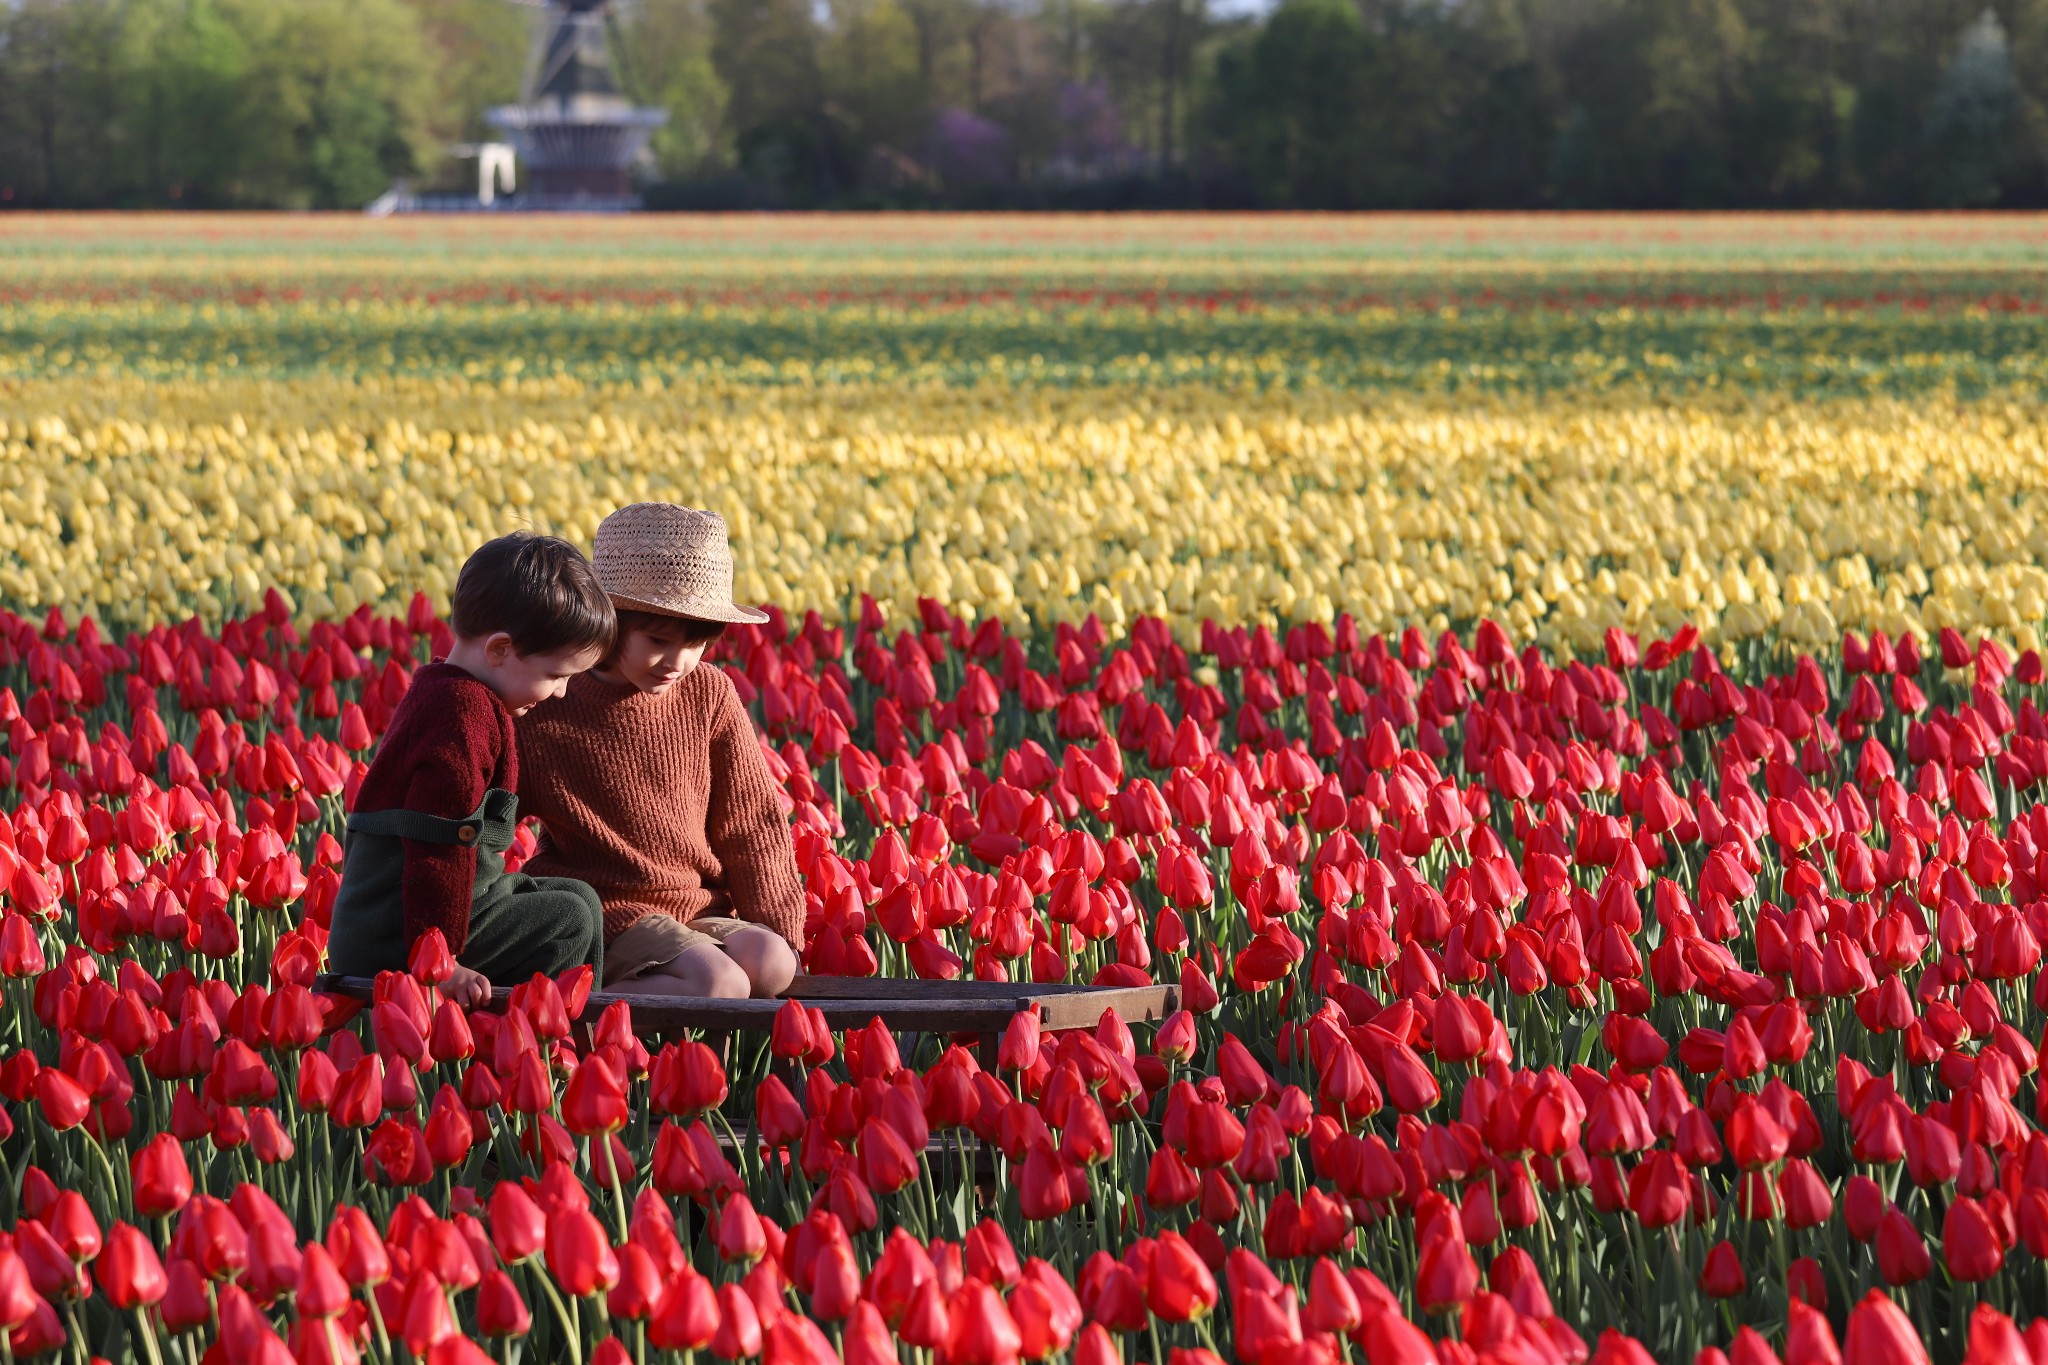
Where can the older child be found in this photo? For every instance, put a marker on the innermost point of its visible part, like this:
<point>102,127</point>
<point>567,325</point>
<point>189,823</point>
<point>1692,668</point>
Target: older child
<point>437,810</point>
<point>649,781</point>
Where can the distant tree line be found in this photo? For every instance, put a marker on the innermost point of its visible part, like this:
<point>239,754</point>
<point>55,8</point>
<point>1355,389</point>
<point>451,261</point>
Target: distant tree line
<point>1077,103</point>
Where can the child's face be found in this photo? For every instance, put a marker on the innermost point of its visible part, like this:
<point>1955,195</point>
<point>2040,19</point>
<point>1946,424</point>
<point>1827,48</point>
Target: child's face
<point>524,681</point>
<point>656,658</point>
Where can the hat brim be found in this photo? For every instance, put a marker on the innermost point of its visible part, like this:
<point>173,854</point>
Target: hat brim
<point>728,613</point>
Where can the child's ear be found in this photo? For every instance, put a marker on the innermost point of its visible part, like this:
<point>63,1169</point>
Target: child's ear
<point>498,648</point>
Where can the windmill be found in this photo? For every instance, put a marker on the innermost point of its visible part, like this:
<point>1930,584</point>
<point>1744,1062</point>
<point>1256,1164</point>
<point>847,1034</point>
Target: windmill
<point>574,128</point>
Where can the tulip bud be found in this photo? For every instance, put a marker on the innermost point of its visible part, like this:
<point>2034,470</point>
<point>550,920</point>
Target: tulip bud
<point>129,1273</point>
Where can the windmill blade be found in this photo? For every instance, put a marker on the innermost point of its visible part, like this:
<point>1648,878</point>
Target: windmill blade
<point>629,82</point>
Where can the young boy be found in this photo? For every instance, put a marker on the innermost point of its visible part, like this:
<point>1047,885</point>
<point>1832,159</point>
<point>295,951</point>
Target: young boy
<point>649,780</point>
<point>436,812</point>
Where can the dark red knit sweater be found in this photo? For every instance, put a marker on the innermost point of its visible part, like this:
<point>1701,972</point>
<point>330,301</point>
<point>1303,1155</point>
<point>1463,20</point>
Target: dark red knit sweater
<point>449,741</point>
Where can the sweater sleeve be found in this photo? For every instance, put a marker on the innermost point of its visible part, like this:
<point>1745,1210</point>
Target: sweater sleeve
<point>452,769</point>
<point>746,827</point>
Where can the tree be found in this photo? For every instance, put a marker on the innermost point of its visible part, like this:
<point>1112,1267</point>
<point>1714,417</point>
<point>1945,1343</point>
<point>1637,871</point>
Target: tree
<point>766,53</point>
<point>874,89</point>
<point>1289,108</point>
<point>668,52</point>
<point>478,49</point>
<point>187,102</point>
<point>1968,116</point>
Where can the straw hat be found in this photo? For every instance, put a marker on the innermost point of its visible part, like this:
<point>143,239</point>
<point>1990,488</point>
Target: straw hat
<point>656,556</point>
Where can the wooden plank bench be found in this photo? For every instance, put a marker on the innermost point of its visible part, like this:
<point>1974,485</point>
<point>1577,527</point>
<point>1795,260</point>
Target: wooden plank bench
<point>982,1008</point>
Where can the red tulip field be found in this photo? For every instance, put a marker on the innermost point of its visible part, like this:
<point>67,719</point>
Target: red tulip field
<point>1532,1011</point>
<point>1553,701</point>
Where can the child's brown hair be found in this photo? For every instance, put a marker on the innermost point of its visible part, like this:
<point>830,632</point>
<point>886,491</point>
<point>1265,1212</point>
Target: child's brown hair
<point>539,590</point>
<point>687,629</point>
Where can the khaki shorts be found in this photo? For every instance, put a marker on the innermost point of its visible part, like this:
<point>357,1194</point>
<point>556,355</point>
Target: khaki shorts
<point>652,940</point>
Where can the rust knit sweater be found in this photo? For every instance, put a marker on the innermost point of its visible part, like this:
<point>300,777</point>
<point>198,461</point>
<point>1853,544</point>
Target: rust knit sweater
<point>660,801</point>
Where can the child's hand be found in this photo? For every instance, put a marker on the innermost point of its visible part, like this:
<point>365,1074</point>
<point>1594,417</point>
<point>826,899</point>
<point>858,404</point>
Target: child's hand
<point>467,987</point>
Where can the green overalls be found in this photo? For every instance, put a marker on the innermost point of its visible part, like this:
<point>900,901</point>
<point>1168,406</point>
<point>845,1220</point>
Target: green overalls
<point>518,925</point>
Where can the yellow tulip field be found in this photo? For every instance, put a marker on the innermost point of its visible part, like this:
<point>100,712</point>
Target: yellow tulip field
<point>1784,430</point>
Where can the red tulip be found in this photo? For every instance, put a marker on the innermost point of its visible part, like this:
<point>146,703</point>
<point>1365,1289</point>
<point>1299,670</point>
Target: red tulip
<point>836,1286</point>
<point>1332,1303</point>
<point>430,961</point>
<point>595,1101</point>
<point>357,1250</point>
<point>1880,1333</point>
<point>866,1339</point>
<point>1214,1135</point>
<point>984,1333</point>
<point>579,1254</point>
<point>1902,1256</point>
<point>1995,1340</point>
<point>18,1297</point>
<point>898,1272</point>
<point>1722,1276</point>
<point>1169,1181</point>
<point>1046,1310</point>
<point>518,1228</point>
<point>1043,1187</point>
<point>740,1237</point>
<point>987,1254</point>
<point>1754,1138</point>
<point>41,1332</point>
<point>71,1223</point>
<point>1808,1336</point>
<point>639,1286</point>
<point>1176,1039</point>
<point>1863,1207</point>
<point>186,1303</point>
<point>1445,1274</point>
<point>1178,1287</point>
<point>450,1038</point>
<point>1969,1243</point>
<point>686,1318</point>
<point>886,1162</point>
<point>64,1102</point>
<point>1019,1051</point>
<point>1617,1348</point>
<point>739,1326</point>
<point>321,1290</point>
<point>1804,1196</point>
<point>1096,1347</point>
<point>128,1271</point>
<point>926,1323</point>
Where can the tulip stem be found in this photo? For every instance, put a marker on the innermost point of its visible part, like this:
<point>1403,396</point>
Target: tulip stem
<point>569,1332</point>
<point>117,1197</point>
<point>377,1321</point>
<point>611,1169</point>
<point>148,1335</point>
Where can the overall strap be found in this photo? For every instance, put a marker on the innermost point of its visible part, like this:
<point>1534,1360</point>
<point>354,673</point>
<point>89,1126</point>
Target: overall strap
<point>494,816</point>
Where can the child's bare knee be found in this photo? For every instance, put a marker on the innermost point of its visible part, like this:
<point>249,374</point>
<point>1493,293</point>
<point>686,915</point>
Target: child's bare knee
<point>765,958</point>
<point>706,971</point>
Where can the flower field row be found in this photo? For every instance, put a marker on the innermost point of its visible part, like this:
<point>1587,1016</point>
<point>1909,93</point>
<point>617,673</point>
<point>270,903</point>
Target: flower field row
<point>1820,305</point>
<point>295,249</point>
<point>1683,337</point>
<point>1531,1011</point>
<point>1560,518</point>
